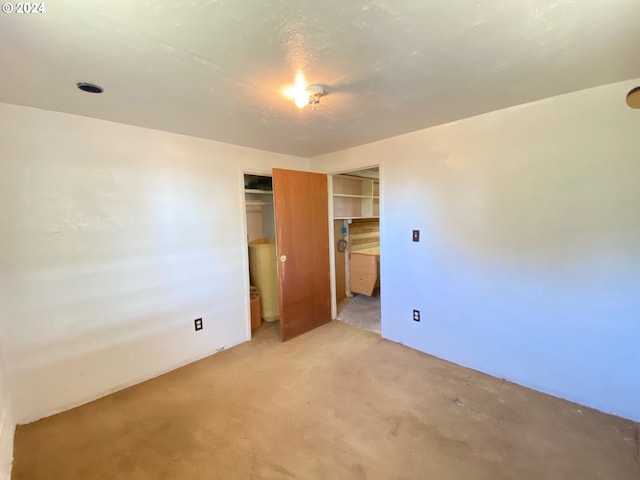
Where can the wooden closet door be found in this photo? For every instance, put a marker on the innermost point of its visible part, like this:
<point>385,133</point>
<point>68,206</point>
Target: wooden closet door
<point>302,238</point>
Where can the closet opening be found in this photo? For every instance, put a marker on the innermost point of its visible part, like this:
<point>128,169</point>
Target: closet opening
<point>356,243</point>
<point>261,246</point>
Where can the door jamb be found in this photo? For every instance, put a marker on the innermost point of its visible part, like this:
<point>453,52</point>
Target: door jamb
<point>245,232</point>
<point>332,268</point>
<point>332,256</point>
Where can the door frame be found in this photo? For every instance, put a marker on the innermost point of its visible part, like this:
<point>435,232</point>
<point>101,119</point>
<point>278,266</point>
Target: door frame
<point>244,231</point>
<point>332,260</point>
<point>332,255</point>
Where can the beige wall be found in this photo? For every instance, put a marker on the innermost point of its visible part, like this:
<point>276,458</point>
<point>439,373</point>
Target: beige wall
<point>114,239</point>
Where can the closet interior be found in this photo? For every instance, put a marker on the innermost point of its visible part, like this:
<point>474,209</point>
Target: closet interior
<point>356,217</point>
<point>263,269</point>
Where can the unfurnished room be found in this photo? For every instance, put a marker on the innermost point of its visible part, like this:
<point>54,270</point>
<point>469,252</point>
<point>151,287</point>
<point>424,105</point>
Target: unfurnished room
<point>300,240</point>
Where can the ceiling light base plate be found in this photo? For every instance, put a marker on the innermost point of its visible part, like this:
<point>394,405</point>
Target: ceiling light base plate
<point>315,92</point>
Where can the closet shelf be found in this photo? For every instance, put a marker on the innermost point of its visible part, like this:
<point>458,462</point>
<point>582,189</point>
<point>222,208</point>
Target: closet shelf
<point>355,197</point>
<point>259,192</point>
<point>345,195</point>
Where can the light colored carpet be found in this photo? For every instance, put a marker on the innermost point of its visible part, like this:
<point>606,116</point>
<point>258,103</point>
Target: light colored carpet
<point>335,403</point>
<point>361,311</point>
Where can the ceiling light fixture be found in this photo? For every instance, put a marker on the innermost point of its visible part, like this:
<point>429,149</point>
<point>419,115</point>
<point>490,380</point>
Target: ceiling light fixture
<point>311,96</point>
<point>303,94</point>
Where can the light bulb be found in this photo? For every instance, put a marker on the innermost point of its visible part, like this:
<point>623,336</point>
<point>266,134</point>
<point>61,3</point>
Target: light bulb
<point>297,90</point>
<point>301,83</point>
<point>302,100</point>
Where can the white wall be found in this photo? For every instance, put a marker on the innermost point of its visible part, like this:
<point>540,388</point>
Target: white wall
<point>529,262</point>
<point>114,239</point>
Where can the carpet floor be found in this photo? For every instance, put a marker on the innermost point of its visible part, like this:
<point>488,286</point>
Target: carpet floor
<point>335,403</point>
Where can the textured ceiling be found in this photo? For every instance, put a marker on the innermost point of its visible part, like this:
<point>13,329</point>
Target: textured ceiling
<point>215,69</point>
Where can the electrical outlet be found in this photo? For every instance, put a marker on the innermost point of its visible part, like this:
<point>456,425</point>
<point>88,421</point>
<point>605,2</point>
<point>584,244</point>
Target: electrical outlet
<point>416,315</point>
<point>416,235</point>
<point>198,324</point>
